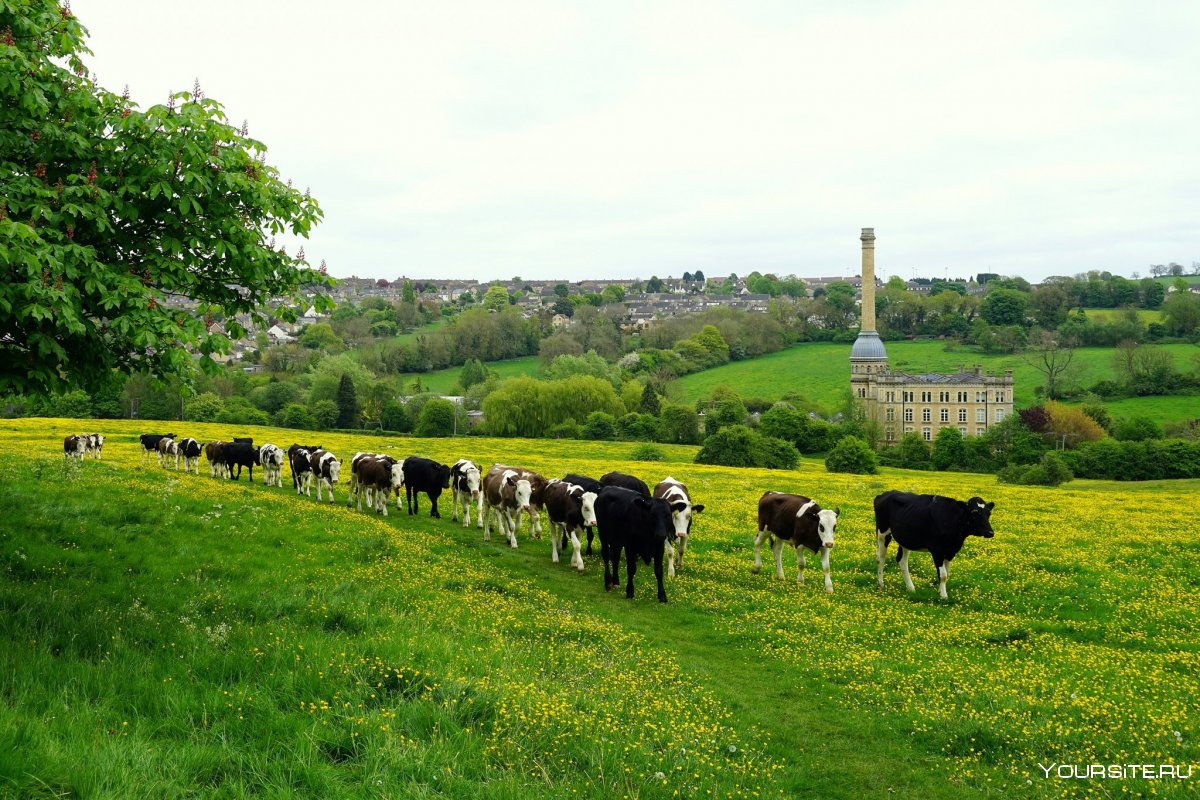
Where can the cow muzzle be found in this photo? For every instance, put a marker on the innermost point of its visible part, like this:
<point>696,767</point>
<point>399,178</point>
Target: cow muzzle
<point>827,545</point>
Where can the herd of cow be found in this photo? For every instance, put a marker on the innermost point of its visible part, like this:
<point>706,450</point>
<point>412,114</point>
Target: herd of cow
<point>650,526</point>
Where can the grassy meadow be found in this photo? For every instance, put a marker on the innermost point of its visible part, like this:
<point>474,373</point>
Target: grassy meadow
<point>820,371</point>
<point>174,635</point>
<point>445,381</point>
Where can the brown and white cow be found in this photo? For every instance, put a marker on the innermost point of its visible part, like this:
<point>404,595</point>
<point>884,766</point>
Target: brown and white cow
<point>537,489</point>
<point>325,471</point>
<point>167,449</point>
<point>377,476</point>
<point>569,510</point>
<point>800,521</point>
<point>74,446</point>
<point>682,509</point>
<point>215,453</point>
<point>150,444</point>
<point>506,493</point>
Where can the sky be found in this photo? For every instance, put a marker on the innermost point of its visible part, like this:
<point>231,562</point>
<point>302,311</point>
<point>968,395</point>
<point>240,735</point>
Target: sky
<point>612,139</point>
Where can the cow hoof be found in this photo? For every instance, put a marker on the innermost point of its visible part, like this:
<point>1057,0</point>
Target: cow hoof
<point>662,598</point>
<point>755,570</point>
<point>608,588</point>
<point>829,589</point>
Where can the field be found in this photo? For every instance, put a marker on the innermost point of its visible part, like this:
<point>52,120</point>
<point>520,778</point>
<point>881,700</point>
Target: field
<point>821,372</point>
<point>443,381</point>
<point>174,635</point>
<point>1146,315</point>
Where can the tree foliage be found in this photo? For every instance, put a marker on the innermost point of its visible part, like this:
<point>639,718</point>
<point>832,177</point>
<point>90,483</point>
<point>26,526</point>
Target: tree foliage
<point>852,454</point>
<point>106,209</point>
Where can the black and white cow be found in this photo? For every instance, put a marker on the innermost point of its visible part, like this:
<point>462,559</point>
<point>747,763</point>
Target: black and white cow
<point>168,449</point>
<point>569,509</point>
<point>589,485</point>
<point>189,448</point>
<point>326,469</point>
<point>94,445</point>
<point>377,476</point>
<point>241,453</point>
<point>505,493</point>
<point>930,522</point>
<point>428,476</point>
<point>625,482</point>
<point>150,444</point>
<point>640,526</point>
<point>682,509</point>
<point>291,453</point>
<point>465,491</point>
<point>75,446</point>
<point>298,458</point>
<point>271,457</point>
<point>800,521</point>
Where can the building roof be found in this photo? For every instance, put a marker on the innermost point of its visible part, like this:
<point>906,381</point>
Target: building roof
<point>868,345</point>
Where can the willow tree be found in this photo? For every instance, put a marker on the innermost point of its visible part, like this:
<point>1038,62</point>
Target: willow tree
<point>107,210</point>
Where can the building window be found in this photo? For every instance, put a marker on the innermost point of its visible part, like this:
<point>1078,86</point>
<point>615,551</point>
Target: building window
<point>981,397</point>
<point>926,397</point>
<point>980,431</point>
<point>908,415</point>
<point>927,433</point>
<point>891,434</point>
<point>925,415</point>
<point>908,428</point>
<point>891,415</point>
<point>999,397</point>
<point>999,415</point>
<point>945,415</point>
<point>962,415</point>
<point>962,429</point>
<point>962,397</point>
<point>944,397</point>
<point>981,415</point>
<point>861,393</point>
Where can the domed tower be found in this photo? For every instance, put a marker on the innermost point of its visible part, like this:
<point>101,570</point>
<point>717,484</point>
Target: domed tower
<point>868,356</point>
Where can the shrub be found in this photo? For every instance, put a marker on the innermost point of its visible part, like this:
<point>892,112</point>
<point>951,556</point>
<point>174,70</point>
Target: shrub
<point>854,455</point>
<point>202,408</point>
<point>295,415</point>
<point>949,449</point>
<point>1052,471</point>
<point>647,452</point>
<point>726,412</point>
<point>1136,429</point>
<point>566,430</point>
<point>739,446</point>
<point>783,422</point>
<point>76,405</point>
<point>238,411</point>
<point>326,414</point>
<point>777,453</point>
<point>395,417</point>
<point>638,427</point>
<point>599,426</point>
<point>436,419</point>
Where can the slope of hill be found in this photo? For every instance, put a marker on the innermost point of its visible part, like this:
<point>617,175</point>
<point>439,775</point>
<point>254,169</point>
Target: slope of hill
<point>197,636</point>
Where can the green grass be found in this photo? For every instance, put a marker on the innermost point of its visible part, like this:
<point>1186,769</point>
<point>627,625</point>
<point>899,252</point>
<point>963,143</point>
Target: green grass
<point>171,635</point>
<point>443,381</point>
<point>1146,315</point>
<point>821,372</point>
<point>424,330</point>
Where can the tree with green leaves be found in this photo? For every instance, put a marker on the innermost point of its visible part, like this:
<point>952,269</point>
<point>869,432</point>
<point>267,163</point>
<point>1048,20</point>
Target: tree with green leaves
<point>106,210</point>
<point>496,298</point>
<point>347,403</point>
<point>649,403</point>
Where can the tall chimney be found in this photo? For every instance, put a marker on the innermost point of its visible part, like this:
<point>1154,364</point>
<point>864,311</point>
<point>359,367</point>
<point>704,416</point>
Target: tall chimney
<point>868,279</point>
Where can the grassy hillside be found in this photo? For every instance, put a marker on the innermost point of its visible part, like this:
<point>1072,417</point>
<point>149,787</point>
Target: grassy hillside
<point>197,637</point>
<point>1146,315</point>
<point>821,372</point>
<point>443,381</point>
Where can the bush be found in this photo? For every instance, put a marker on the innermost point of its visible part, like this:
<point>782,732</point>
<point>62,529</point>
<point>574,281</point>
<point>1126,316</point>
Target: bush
<point>647,452</point>
<point>566,430</point>
<point>239,411</point>
<point>599,426</point>
<point>638,428</point>
<point>203,408</point>
<point>739,446</point>
<point>326,414</point>
<point>679,425</point>
<point>1136,429</point>
<point>1052,471</point>
<point>295,415</point>
<point>777,453</point>
<point>436,419</point>
<point>853,455</point>
<point>76,405</point>
<point>395,417</point>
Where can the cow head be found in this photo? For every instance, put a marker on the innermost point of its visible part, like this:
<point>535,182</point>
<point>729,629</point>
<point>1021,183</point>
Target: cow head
<point>472,475</point>
<point>397,476</point>
<point>334,466</point>
<point>827,524</point>
<point>979,518</point>
<point>522,491</point>
<point>443,476</point>
<point>588,507</point>
<point>661,513</point>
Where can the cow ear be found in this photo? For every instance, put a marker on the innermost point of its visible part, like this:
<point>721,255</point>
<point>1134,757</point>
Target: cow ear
<point>837,512</point>
<point>641,501</point>
<point>990,506</point>
<point>679,508</point>
<point>697,509</point>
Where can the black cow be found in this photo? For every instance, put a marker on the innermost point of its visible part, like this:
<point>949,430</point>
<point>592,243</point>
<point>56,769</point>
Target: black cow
<point>589,485</point>
<point>291,454</point>
<point>625,482</point>
<point>189,448</point>
<point>150,444</point>
<point>240,453</point>
<point>639,525</point>
<point>428,476</point>
<point>796,519</point>
<point>939,525</point>
<point>298,458</point>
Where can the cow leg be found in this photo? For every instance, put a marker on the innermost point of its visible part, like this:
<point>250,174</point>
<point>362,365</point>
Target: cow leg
<point>485,517</point>
<point>480,510</point>
<point>670,558</point>
<point>631,570</point>
<point>433,499</point>
<point>328,486</point>
<point>880,556</point>
<point>511,529</point>
<point>658,576</point>
<point>777,548</point>
<point>590,533</point>
<point>535,523</point>
<point>554,543</point>
<point>908,584</point>
<point>466,510</point>
<point>801,563</point>
<point>683,543</point>
<point>576,556</point>
<point>381,501</point>
<point>758,540</point>
<point>454,510</point>
<point>825,569</point>
<point>943,573</point>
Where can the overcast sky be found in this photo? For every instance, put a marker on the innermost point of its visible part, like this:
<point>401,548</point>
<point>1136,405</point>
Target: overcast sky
<point>614,139</point>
